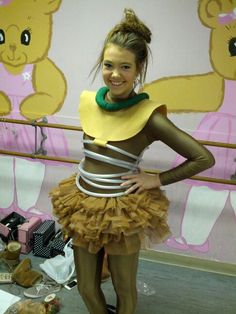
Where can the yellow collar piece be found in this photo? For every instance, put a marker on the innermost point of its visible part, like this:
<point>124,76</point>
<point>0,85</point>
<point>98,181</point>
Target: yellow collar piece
<point>118,125</point>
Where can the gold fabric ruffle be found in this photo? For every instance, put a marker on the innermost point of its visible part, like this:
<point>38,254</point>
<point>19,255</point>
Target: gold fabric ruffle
<point>117,224</point>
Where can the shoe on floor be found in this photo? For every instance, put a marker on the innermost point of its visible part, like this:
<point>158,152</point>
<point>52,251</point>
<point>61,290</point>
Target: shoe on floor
<point>24,275</point>
<point>42,289</point>
<point>111,309</point>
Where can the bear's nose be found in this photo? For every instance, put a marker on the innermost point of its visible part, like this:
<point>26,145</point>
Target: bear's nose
<point>12,47</point>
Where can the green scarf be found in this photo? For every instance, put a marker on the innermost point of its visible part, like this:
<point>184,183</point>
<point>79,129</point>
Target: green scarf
<point>100,99</point>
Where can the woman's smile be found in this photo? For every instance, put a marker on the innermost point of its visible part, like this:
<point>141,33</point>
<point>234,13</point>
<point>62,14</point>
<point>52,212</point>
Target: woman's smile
<point>119,72</point>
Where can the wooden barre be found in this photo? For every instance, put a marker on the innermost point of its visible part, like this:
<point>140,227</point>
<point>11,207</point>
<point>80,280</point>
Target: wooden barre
<point>43,124</point>
<point>78,128</point>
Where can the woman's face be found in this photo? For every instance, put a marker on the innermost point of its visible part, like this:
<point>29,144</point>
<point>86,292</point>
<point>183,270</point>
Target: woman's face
<point>119,72</point>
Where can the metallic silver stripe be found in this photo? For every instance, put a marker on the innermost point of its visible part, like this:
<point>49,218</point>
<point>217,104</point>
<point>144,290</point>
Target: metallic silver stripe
<point>96,194</point>
<point>96,177</point>
<point>110,160</point>
<point>114,148</point>
<point>105,187</point>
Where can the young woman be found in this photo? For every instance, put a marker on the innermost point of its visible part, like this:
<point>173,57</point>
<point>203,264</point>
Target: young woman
<point>111,206</point>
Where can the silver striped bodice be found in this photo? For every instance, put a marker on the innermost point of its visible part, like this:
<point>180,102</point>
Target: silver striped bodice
<point>110,181</point>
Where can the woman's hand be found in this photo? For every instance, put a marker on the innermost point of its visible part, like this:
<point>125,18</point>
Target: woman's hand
<point>141,181</point>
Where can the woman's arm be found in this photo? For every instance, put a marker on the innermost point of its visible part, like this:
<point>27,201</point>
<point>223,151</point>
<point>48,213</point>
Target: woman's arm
<point>198,158</point>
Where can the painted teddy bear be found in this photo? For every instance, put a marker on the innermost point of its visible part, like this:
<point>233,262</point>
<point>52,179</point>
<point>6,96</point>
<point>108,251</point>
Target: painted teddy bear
<point>32,87</point>
<point>215,93</point>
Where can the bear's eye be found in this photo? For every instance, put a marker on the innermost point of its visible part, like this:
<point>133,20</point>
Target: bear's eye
<point>25,37</point>
<point>2,37</point>
<point>232,47</point>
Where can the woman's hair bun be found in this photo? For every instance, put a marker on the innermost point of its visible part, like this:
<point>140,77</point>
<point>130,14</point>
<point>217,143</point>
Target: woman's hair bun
<point>132,24</point>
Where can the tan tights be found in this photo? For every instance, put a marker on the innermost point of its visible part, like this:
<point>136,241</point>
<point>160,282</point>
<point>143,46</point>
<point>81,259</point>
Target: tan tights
<point>123,270</point>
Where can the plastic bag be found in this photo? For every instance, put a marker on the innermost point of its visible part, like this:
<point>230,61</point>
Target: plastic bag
<point>144,288</point>
<point>2,246</point>
<point>60,268</point>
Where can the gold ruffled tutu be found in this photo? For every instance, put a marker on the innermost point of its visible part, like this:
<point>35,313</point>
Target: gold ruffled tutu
<point>118,224</point>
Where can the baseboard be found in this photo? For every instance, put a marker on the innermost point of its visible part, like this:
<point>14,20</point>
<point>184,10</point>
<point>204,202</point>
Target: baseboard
<point>189,262</point>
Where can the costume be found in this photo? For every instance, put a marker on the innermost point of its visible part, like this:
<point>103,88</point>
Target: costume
<point>114,142</point>
<point>21,137</point>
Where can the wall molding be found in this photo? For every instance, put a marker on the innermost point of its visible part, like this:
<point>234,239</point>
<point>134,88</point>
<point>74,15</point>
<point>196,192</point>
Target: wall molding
<point>188,262</point>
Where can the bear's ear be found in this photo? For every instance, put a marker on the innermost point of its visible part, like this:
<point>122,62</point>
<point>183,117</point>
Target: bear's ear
<point>50,6</point>
<point>209,11</point>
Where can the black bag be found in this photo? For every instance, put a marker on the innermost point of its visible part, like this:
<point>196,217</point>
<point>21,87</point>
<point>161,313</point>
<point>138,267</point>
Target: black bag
<point>42,239</point>
<point>9,226</point>
<point>58,243</point>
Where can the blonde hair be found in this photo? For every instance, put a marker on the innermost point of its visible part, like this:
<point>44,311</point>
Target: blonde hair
<point>131,34</point>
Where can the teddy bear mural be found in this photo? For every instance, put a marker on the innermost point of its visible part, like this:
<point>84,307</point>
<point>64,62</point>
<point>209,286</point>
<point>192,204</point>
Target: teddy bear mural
<point>215,93</point>
<point>32,88</point>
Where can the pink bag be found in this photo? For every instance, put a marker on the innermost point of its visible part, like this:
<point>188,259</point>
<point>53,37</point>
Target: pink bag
<point>25,233</point>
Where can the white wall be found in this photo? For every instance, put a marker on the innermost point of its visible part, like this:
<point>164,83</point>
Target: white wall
<point>179,44</point>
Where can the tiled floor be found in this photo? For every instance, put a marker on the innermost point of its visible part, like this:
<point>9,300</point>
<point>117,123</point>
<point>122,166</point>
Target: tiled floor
<point>175,290</point>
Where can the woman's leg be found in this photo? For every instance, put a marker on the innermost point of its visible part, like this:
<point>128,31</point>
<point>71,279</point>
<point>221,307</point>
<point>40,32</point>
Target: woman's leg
<point>89,269</point>
<point>123,269</point>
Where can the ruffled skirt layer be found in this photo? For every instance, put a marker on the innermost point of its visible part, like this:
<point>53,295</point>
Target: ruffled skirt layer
<point>119,224</point>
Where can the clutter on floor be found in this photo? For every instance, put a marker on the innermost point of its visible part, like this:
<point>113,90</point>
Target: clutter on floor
<point>9,299</point>
<point>21,239</point>
<point>50,305</point>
